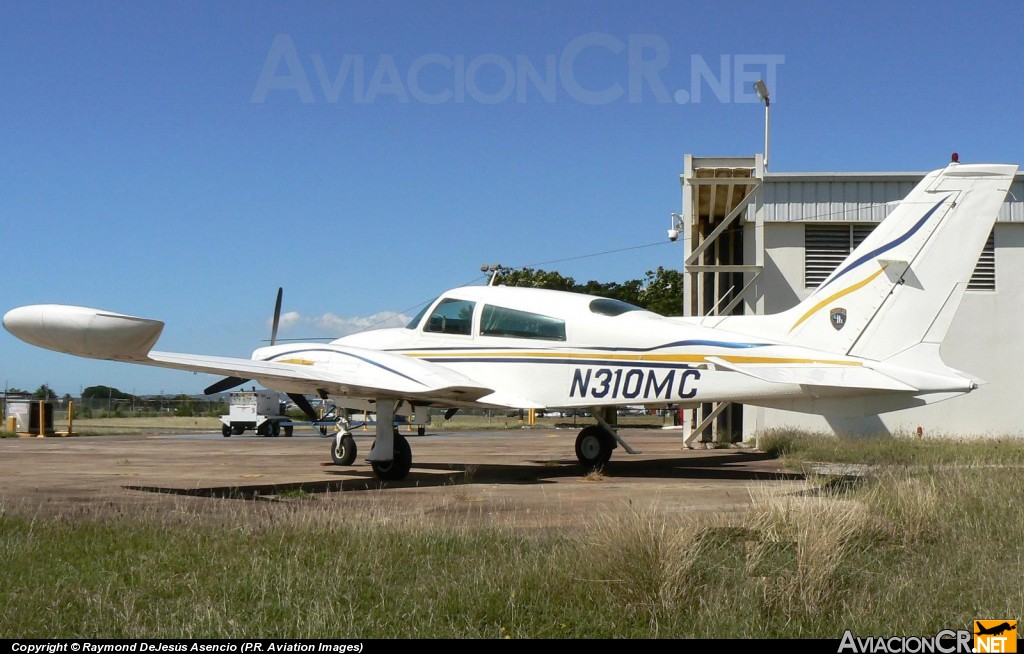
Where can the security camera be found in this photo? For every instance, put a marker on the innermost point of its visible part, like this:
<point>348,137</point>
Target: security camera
<point>673,234</point>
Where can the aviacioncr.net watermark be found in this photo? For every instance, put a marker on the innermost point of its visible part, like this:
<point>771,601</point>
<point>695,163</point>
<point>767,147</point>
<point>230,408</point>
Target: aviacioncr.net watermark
<point>594,69</point>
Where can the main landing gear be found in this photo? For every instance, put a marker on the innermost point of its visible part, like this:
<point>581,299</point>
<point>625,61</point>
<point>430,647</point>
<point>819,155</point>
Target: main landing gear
<point>390,456</point>
<point>344,451</point>
<point>594,444</point>
<point>398,467</point>
<point>594,447</point>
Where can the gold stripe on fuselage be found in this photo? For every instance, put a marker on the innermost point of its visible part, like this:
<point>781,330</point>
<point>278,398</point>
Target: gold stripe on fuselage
<point>584,357</point>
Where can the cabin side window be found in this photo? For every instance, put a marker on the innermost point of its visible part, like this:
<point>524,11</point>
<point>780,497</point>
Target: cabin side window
<point>451,317</point>
<point>498,321</point>
<point>604,306</point>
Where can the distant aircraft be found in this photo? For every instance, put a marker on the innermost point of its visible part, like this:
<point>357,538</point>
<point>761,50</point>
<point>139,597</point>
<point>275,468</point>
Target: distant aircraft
<point>865,342</point>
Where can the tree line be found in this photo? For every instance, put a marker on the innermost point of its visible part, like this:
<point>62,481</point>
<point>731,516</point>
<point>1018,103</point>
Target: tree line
<point>660,291</point>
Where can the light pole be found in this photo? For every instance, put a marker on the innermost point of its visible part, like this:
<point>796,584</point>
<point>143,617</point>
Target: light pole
<point>762,95</point>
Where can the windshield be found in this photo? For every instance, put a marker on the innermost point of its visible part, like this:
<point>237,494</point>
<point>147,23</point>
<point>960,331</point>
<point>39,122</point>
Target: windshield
<point>451,316</point>
<point>419,316</point>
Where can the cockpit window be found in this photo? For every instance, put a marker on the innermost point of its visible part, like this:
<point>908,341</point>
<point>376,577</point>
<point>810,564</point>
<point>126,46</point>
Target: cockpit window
<point>419,316</point>
<point>608,307</point>
<point>498,321</point>
<point>451,316</point>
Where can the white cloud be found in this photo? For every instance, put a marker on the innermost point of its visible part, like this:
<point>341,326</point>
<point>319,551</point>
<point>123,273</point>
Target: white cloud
<point>329,324</point>
<point>290,319</point>
<point>341,325</point>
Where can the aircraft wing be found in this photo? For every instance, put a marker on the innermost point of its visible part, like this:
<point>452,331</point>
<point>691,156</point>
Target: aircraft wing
<point>374,375</point>
<point>98,334</point>
<point>836,376</point>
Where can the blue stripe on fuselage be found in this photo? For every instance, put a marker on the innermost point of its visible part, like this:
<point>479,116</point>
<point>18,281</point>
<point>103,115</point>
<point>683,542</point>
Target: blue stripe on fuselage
<point>631,363</point>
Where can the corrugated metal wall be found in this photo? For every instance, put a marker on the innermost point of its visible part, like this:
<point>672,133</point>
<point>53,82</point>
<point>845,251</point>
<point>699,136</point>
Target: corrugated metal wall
<point>859,197</point>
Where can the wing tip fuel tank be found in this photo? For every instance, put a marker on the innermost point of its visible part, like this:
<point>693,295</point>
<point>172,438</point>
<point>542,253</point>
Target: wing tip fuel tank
<point>82,331</point>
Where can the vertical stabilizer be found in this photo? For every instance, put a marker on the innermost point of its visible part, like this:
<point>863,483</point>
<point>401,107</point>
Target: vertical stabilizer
<point>921,308</point>
<point>902,285</point>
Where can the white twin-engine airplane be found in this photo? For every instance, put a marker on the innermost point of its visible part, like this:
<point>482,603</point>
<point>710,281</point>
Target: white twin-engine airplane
<point>865,342</point>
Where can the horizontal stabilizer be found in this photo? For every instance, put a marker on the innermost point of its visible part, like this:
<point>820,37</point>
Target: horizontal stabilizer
<point>837,376</point>
<point>511,401</point>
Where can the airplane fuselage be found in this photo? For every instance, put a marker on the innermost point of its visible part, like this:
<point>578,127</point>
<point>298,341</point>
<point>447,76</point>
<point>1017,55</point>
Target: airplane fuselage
<point>563,353</point>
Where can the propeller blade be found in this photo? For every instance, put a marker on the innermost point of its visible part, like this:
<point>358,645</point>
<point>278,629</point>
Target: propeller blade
<point>225,384</point>
<point>303,403</point>
<point>228,383</point>
<point>277,315</point>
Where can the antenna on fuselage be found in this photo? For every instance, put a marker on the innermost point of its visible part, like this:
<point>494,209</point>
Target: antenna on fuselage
<point>492,270</point>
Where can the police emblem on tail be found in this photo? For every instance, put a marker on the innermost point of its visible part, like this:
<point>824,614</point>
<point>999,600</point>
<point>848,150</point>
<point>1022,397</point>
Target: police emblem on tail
<point>837,318</point>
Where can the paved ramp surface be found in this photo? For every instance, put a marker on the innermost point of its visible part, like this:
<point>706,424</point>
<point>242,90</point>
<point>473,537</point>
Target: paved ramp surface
<point>525,478</point>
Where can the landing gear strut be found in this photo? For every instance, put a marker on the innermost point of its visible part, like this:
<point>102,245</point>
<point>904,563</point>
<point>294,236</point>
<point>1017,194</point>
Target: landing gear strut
<point>390,456</point>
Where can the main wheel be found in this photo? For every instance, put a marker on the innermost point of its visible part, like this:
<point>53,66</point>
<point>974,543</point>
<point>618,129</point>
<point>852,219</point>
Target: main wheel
<point>343,450</point>
<point>225,430</point>
<point>273,428</point>
<point>398,468</point>
<point>594,447</point>
<point>288,431</point>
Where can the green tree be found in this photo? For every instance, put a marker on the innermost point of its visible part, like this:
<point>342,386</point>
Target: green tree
<point>536,278</point>
<point>44,392</point>
<point>660,291</point>
<point>184,406</point>
<point>104,393</point>
<point>663,292</point>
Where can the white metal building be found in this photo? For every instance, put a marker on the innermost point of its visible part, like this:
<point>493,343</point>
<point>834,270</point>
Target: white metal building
<point>757,242</point>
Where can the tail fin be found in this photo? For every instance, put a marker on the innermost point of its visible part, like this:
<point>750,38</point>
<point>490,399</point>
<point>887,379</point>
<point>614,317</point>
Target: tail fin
<point>903,284</point>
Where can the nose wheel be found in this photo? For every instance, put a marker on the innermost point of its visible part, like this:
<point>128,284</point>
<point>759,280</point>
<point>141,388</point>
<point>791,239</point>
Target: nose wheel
<point>343,449</point>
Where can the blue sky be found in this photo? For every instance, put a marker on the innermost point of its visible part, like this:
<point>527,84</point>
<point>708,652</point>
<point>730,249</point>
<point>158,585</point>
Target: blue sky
<point>182,160</point>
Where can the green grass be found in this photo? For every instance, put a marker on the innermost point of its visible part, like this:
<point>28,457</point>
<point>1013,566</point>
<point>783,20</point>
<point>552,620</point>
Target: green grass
<point>909,549</point>
<point>140,425</point>
<point>797,448</point>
